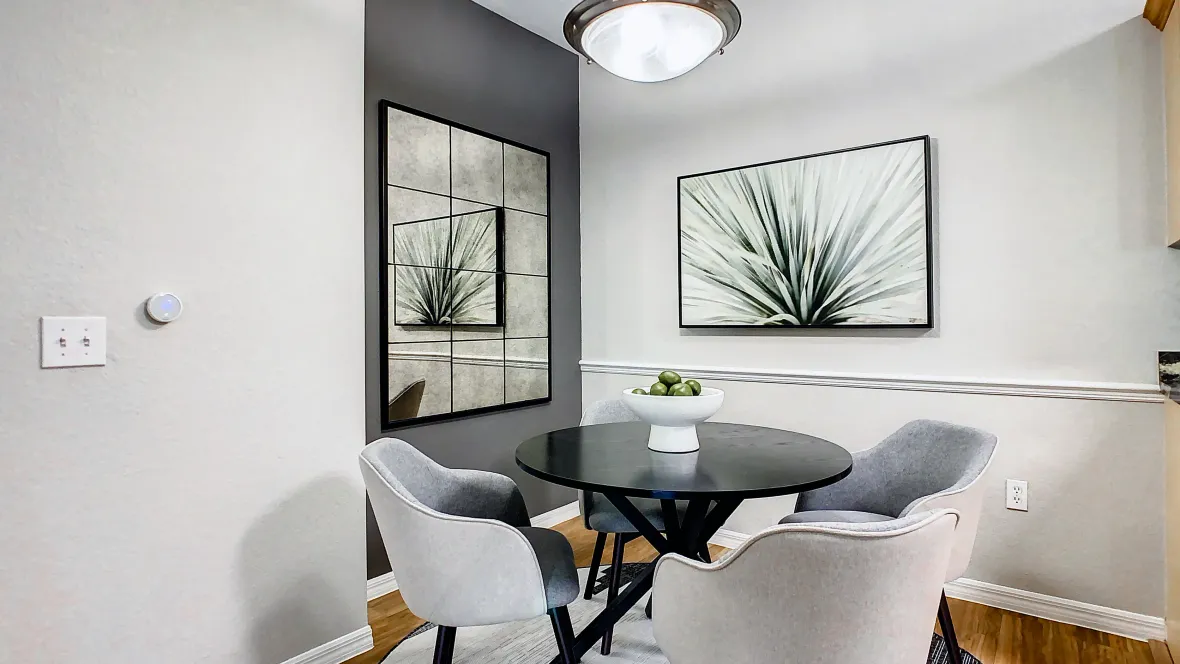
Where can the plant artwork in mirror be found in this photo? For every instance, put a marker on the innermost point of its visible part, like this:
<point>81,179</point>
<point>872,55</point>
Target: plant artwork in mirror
<point>465,270</point>
<point>450,270</point>
<point>840,239</point>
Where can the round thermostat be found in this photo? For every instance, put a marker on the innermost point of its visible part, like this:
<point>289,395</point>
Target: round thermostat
<point>163,307</point>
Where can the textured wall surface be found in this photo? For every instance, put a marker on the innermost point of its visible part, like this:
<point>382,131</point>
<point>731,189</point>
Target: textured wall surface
<point>459,61</point>
<point>1050,257</point>
<point>198,498</point>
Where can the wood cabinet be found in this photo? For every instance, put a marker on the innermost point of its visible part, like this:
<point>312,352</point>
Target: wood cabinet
<point>1171,38</point>
<point>1172,517</point>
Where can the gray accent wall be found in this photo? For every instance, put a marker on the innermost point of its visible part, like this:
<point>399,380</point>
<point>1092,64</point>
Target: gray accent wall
<point>459,61</point>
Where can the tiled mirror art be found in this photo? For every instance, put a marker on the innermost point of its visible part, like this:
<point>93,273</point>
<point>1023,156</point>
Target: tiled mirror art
<point>464,270</point>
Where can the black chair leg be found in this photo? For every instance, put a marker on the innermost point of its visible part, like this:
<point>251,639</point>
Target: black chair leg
<point>444,645</point>
<point>595,563</point>
<point>705,556</point>
<point>948,632</point>
<point>616,579</point>
<point>563,630</point>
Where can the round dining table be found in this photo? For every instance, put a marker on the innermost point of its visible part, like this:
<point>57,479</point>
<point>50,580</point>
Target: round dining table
<point>736,462</point>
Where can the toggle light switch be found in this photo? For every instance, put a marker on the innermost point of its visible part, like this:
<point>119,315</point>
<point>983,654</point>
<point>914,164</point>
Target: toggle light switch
<point>73,341</point>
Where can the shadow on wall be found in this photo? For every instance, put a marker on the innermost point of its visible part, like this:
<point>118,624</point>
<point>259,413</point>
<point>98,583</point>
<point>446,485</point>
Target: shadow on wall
<point>292,565</point>
<point>376,557</point>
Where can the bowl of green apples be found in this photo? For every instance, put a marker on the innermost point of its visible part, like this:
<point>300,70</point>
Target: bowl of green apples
<point>673,407</point>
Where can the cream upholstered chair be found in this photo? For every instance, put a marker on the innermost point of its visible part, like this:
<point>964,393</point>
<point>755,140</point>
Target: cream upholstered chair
<point>600,515</point>
<point>462,549</point>
<point>849,593</point>
<point>924,465</point>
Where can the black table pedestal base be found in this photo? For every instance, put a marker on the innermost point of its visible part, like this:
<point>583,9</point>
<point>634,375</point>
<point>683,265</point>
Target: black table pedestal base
<point>736,462</point>
<point>688,537</point>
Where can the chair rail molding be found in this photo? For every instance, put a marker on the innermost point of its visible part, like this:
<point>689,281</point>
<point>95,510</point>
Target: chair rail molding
<point>1010,387</point>
<point>471,360</point>
<point>338,651</point>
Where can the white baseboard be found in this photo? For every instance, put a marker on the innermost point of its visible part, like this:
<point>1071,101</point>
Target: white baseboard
<point>386,583</point>
<point>338,651</point>
<point>729,539</point>
<point>554,517</point>
<point>380,586</point>
<point>1011,387</point>
<point>1104,619</point>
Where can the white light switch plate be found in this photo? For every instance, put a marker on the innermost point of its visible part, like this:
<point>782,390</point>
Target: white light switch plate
<point>73,341</point>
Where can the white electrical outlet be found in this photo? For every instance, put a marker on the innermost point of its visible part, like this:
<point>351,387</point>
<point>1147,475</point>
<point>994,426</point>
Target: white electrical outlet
<point>1017,495</point>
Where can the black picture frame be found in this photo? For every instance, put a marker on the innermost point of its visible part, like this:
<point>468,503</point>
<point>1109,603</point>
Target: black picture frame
<point>499,271</point>
<point>384,106</point>
<point>930,303</point>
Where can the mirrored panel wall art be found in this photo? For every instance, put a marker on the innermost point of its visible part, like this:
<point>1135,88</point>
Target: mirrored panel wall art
<point>839,239</point>
<point>464,270</point>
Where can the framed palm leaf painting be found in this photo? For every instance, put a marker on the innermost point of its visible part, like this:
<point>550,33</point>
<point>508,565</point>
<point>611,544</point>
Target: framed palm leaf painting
<point>838,239</point>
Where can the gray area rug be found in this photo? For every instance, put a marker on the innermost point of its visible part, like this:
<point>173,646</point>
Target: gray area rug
<point>531,641</point>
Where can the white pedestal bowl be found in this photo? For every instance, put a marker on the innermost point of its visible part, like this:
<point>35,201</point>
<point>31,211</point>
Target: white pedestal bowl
<point>674,420</point>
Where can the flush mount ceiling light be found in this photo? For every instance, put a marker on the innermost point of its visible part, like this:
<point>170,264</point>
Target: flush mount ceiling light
<point>651,40</point>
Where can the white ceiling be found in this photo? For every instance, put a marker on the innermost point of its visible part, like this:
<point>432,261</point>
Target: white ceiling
<point>820,52</point>
<point>945,21</point>
<point>544,17</point>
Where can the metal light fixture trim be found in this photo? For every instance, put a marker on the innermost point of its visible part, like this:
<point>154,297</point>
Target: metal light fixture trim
<point>587,12</point>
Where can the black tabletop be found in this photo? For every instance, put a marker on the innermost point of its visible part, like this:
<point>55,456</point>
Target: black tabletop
<point>735,461</point>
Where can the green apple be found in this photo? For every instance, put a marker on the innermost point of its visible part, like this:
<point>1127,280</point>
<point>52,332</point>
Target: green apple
<point>669,378</point>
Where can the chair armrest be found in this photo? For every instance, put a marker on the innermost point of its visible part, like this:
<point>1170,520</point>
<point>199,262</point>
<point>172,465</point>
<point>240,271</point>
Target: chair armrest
<point>963,497</point>
<point>966,498</point>
<point>889,477</point>
<point>486,495</point>
<point>454,570</point>
<point>850,493</point>
<point>483,572</point>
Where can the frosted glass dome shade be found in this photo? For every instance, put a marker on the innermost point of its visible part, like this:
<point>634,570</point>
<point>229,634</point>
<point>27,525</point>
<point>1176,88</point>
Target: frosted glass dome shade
<point>652,41</point>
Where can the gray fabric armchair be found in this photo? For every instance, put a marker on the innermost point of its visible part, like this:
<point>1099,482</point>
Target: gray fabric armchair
<point>462,549</point>
<point>838,593</point>
<point>925,465</point>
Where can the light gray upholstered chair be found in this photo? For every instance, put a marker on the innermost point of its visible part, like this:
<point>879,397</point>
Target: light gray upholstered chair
<point>598,514</point>
<point>847,593</point>
<point>924,465</point>
<point>462,548</point>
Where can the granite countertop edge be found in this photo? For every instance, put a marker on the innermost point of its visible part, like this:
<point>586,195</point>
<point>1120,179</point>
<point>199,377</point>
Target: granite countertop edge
<point>1171,391</point>
<point>1169,366</point>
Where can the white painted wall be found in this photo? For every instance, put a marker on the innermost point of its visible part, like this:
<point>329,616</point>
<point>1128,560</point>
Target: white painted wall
<point>1048,125</point>
<point>197,499</point>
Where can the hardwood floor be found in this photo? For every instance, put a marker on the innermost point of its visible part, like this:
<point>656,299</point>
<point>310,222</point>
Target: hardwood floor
<point>994,636</point>
<point>1159,650</point>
